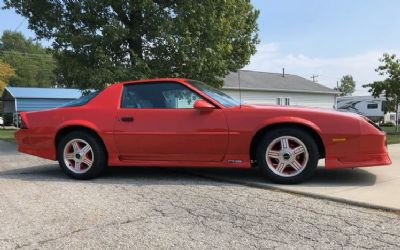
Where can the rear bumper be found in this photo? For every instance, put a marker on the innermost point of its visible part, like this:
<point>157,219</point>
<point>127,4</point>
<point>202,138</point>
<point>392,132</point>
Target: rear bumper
<point>34,144</point>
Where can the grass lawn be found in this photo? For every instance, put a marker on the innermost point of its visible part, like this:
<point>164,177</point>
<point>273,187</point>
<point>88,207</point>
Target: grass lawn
<point>392,136</point>
<point>7,134</point>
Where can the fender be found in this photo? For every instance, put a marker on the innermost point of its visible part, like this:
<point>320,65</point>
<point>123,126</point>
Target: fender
<point>82,123</point>
<point>106,136</point>
<point>289,119</point>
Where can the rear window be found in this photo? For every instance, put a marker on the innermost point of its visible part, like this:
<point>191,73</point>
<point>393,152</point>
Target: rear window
<point>81,101</point>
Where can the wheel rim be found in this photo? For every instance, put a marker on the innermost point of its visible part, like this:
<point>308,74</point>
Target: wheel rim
<point>287,156</point>
<point>78,156</point>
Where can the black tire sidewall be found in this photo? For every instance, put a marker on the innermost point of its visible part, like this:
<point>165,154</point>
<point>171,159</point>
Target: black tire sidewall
<point>100,159</point>
<point>303,136</point>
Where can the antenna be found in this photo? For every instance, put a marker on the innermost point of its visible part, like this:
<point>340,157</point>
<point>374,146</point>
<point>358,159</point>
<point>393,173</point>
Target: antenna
<point>240,90</point>
<point>314,77</point>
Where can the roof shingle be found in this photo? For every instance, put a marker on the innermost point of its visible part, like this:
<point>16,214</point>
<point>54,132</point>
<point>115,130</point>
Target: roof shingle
<point>47,93</point>
<point>254,80</point>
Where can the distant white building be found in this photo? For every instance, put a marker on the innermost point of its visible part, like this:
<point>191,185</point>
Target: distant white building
<point>281,89</point>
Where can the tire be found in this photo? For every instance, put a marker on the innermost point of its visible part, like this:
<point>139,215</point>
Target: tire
<point>84,153</point>
<point>287,155</point>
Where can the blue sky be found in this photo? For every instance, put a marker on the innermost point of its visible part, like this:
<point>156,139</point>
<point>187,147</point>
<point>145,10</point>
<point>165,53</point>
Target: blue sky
<point>328,38</point>
<point>329,28</point>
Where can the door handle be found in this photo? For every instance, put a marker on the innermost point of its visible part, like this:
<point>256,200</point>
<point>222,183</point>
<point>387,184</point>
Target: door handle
<point>126,119</point>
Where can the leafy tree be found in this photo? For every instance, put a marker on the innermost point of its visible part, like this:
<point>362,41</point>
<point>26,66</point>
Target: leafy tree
<point>33,64</point>
<point>390,87</point>
<point>347,85</point>
<point>104,41</point>
<point>6,71</point>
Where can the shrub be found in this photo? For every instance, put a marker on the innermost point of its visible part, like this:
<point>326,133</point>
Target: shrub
<point>387,124</point>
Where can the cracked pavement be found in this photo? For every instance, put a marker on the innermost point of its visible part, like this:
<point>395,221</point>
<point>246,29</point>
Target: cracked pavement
<point>169,208</point>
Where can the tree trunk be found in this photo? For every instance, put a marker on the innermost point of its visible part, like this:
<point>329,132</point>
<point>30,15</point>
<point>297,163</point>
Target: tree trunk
<point>397,116</point>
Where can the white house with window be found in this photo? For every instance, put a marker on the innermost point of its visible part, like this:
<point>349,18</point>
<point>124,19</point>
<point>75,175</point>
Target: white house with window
<point>281,89</point>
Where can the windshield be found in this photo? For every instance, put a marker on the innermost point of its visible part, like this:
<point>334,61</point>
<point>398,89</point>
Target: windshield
<point>219,96</point>
<point>81,101</point>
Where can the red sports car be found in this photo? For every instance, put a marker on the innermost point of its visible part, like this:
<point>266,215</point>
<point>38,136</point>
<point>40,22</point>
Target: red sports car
<point>186,123</point>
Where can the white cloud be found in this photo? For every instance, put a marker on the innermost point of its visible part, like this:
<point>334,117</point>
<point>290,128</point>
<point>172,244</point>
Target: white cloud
<point>362,67</point>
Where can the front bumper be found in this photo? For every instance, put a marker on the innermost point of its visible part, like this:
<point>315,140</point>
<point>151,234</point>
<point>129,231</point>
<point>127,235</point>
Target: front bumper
<point>364,150</point>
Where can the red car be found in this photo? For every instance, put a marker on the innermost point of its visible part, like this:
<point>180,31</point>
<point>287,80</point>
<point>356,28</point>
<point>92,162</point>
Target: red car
<point>186,123</point>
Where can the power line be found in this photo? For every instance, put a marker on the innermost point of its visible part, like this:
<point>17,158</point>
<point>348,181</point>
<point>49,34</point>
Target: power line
<point>24,53</point>
<point>331,77</point>
<point>40,57</point>
<point>19,25</point>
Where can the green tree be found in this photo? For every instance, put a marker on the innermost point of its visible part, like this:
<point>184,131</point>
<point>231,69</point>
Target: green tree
<point>6,72</point>
<point>390,87</point>
<point>104,41</point>
<point>347,85</point>
<point>33,64</point>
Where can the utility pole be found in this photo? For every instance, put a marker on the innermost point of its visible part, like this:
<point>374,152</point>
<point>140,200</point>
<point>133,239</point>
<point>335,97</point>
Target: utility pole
<point>314,77</point>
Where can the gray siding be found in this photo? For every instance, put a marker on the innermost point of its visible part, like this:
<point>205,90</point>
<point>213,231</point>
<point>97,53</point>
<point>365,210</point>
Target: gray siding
<point>34,104</point>
<point>326,101</point>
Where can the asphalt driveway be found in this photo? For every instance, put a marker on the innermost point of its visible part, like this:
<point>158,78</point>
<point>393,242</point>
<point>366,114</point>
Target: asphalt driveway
<point>372,186</point>
<point>131,208</point>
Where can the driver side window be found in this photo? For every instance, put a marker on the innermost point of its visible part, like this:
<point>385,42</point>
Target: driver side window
<point>166,95</point>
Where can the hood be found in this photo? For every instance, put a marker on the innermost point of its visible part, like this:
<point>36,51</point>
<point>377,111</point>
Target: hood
<point>302,109</point>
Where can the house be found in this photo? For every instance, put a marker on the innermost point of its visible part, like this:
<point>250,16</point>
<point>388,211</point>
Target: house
<point>281,89</point>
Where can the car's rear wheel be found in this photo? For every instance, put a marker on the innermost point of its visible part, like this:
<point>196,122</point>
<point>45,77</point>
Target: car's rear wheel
<point>287,155</point>
<point>81,155</point>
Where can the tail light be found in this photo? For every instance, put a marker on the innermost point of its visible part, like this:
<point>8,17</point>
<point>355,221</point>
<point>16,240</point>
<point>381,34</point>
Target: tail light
<point>21,122</point>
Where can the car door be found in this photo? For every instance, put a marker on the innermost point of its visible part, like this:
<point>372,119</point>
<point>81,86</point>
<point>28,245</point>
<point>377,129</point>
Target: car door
<point>157,122</point>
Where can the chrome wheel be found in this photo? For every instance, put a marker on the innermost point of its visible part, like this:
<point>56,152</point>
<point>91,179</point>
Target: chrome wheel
<point>287,156</point>
<point>78,156</point>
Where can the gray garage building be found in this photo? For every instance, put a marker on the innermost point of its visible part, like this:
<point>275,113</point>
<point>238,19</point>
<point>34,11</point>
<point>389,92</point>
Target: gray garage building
<point>17,99</point>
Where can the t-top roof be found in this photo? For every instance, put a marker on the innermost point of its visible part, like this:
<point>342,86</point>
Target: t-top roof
<point>47,93</point>
<point>254,80</point>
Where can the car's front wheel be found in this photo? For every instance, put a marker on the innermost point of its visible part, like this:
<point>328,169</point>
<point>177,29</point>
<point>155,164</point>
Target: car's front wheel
<point>287,155</point>
<point>81,155</point>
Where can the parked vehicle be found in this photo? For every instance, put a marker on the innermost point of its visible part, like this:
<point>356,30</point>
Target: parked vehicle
<point>368,106</point>
<point>186,123</point>
<point>1,121</point>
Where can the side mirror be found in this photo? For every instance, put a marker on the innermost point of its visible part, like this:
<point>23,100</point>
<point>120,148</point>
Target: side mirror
<point>203,105</point>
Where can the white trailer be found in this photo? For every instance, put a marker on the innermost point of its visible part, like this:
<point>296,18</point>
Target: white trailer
<point>368,106</point>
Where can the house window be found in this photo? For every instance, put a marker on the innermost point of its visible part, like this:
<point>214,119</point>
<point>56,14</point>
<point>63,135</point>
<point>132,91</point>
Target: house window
<point>283,101</point>
<point>372,106</point>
